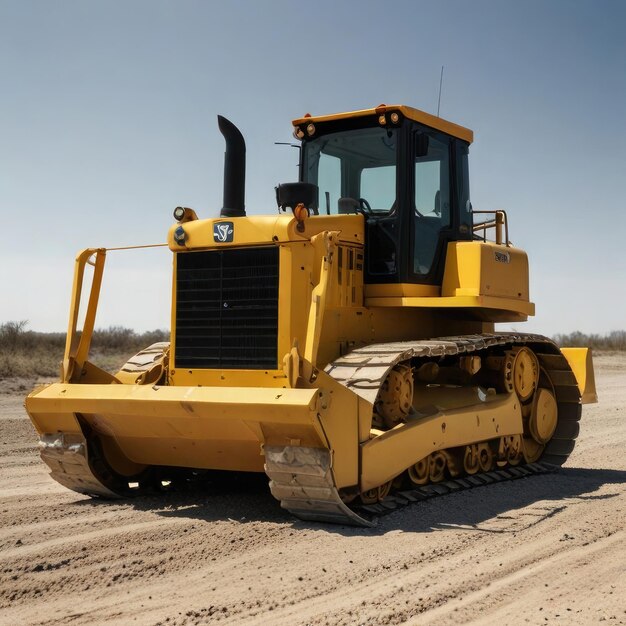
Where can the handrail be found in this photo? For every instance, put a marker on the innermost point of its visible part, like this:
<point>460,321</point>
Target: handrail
<point>499,219</point>
<point>78,342</point>
<point>77,346</point>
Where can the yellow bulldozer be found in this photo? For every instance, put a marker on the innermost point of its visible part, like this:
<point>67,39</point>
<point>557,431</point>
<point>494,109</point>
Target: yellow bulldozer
<point>344,345</point>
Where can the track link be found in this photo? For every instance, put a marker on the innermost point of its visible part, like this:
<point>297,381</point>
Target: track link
<point>302,480</point>
<point>403,498</point>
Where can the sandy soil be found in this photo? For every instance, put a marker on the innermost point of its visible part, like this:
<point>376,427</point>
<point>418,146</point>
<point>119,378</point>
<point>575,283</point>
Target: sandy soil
<point>546,549</point>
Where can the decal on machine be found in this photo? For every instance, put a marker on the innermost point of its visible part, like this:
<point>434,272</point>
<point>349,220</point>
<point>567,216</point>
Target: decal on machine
<point>223,232</point>
<point>502,257</point>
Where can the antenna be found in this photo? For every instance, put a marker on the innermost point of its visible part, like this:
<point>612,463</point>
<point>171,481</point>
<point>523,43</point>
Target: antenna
<point>293,145</point>
<point>439,100</point>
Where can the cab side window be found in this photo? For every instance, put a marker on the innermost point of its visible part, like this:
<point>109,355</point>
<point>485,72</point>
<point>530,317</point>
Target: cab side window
<point>432,199</point>
<point>329,182</point>
<point>378,187</point>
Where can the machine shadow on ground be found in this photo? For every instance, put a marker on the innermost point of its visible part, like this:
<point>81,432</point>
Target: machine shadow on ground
<point>486,509</point>
<point>247,499</point>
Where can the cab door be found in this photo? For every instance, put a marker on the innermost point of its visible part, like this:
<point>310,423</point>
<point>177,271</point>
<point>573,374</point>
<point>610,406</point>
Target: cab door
<point>431,202</point>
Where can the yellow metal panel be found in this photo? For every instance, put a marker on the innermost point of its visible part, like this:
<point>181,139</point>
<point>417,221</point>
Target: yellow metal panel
<point>340,414</point>
<point>184,426</point>
<point>285,304</point>
<point>580,361</point>
<point>324,246</point>
<point>478,275</point>
<point>462,270</point>
<point>228,378</point>
<point>303,269</point>
<point>51,422</point>
<point>208,403</point>
<point>402,290</point>
<point>421,117</point>
<point>343,329</point>
<point>389,454</point>
<point>347,277</point>
<point>476,268</point>
<point>257,230</point>
<point>517,308</point>
<point>215,453</point>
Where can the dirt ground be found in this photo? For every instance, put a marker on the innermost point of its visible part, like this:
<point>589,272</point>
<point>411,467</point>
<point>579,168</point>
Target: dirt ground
<point>544,549</point>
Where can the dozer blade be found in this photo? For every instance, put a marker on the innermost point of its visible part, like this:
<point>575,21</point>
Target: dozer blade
<point>195,427</point>
<point>580,361</point>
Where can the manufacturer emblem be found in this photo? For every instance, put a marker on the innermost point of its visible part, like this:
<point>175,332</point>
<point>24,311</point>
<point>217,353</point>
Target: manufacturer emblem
<point>503,257</point>
<point>223,232</point>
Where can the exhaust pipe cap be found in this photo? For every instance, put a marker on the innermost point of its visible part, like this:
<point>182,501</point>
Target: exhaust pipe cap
<point>234,169</point>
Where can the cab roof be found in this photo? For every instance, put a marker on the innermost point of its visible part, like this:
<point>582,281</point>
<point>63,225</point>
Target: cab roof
<point>416,115</point>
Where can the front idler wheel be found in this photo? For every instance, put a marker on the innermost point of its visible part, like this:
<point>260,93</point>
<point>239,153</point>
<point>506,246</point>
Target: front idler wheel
<point>395,398</point>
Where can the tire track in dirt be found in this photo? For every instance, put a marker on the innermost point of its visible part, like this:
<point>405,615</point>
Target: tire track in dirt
<point>523,578</point>
<point>387,598</point>
<point>233,557</point>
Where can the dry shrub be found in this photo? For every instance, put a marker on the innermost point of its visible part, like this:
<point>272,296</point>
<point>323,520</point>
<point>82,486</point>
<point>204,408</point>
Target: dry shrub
<point>29,354</point>
<point>613,341</point>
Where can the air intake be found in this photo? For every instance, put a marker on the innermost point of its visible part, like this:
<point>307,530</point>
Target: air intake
<point>227,309</point>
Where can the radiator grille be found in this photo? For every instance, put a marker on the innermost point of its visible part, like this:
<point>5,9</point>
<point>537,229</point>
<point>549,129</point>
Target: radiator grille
<point>227,309</point>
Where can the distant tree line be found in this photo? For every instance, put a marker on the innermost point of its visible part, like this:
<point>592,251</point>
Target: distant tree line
<point>15,336</point>
<point>27,353</point>
<point>615,340</point>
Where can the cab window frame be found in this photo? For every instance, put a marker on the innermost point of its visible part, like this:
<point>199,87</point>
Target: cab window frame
<point>398,224</point>
<point>447,233</point>
<point>351,170</point>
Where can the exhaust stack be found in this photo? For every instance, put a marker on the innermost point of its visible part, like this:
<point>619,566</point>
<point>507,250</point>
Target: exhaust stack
<point>234,169</point>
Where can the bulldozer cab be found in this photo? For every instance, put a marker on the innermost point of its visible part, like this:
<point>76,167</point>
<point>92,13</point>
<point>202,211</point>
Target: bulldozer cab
<point>406,172</point>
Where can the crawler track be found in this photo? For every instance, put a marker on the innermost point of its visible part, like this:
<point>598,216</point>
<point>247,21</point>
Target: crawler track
<point>301,478</point>
<point>66,456</point>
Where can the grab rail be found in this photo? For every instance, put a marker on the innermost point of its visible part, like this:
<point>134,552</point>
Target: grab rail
<point>499,220</point>
<point>78,341</point>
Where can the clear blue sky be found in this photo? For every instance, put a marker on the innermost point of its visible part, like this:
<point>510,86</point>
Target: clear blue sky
<point>108,121</point>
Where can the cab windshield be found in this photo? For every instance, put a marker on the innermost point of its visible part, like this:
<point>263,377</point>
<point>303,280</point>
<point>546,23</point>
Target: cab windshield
<point>355,171</point>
